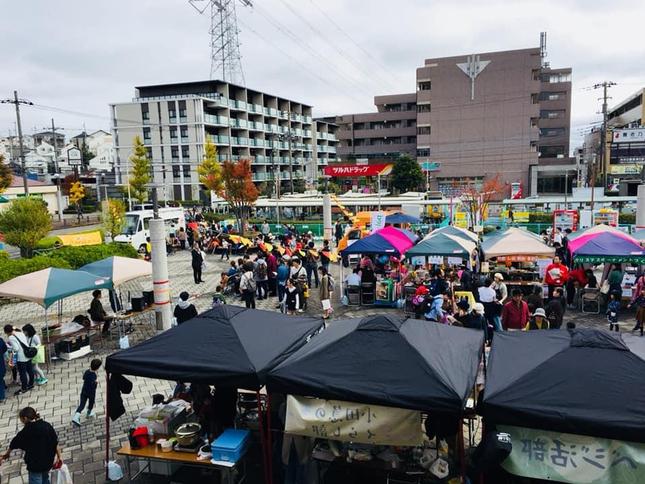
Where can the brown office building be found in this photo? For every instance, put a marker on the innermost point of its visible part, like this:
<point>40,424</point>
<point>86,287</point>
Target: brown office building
<point>473,117</point>
<point>383,135</point>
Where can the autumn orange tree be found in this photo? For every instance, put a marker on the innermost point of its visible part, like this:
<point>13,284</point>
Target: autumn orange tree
<point>476,201</point>
<point>238,189</point>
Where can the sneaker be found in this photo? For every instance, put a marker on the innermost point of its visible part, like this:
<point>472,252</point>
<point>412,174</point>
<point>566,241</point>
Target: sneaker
<point>41,381</point>
<point>76,419</point>
<point>20,392</point>
<point>91,414</point>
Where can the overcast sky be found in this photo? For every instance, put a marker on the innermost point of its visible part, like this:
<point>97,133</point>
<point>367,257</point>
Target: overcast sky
<point>80,56</point>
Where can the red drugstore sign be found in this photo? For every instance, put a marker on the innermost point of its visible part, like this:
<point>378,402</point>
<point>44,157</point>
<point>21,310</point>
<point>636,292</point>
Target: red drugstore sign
<point>358,170</point>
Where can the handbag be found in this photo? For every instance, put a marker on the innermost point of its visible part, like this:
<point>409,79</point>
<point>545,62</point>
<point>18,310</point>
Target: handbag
<point>604,288</point>
<point>40,355</point>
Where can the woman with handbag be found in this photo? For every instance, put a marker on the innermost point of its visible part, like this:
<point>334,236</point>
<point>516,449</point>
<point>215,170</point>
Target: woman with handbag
<point>34,341</point>
<point>19,345</point>
<point>39,442</point>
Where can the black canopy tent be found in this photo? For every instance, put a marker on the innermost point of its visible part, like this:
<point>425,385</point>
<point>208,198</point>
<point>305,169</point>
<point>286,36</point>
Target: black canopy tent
<point>386,360</point>
<point>582,381</point>
<point>227,345</point>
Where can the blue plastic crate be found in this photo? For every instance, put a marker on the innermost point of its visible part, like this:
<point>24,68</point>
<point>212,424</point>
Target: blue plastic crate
<point>230,445</point>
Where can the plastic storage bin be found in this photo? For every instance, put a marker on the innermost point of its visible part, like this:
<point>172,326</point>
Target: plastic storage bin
<point>230,445</point>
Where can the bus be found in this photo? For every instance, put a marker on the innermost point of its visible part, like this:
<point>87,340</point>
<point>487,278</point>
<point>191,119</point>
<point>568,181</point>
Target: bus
<point>136,228</point>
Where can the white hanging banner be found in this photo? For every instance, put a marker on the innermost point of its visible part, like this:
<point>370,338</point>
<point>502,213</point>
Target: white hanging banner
<point>353,422</point>
<point>378,221</point>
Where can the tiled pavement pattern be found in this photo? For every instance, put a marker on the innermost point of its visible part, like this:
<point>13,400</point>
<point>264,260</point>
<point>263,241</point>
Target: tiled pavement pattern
<point>83,449</point>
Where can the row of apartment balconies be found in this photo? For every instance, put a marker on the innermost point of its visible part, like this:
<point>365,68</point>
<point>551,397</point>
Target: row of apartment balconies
<point>257,142</point>
<point>259,109</point>
<point>273,160</point>
<point>257,126</point>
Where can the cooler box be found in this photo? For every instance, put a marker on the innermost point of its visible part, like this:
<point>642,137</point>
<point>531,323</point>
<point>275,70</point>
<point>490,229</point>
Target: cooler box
<point>230,445</point>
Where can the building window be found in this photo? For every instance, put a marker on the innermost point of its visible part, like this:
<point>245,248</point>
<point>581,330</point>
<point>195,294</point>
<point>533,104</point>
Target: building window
<point>173,133</point>
<point>182,110</point>
<point>552,113</point>
<point>554,183</point>
<point>146,135</point>
<point>425,86</point>
<point>172,113</point>
<point>423,152</point>
<point>186,168</point>
<point>552,95</point>
<point>423,108</point>
<point>548,132</point>
<point>175,171</point>
<point>185,154</point>
<point>149,153</point>
<point>423,129</point>
<point>184,133</point>
<point>145,113</point>
<point>551,151</point>
<point>556,77</point>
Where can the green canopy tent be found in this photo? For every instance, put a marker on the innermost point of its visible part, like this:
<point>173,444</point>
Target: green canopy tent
<point>443,245</point>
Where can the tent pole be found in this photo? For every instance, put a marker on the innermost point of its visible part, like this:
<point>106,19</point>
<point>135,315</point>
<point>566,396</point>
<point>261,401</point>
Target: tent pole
<point>107,423</point>
<point>269,439</point>
<point>262,438</point>
<point>462,451</point>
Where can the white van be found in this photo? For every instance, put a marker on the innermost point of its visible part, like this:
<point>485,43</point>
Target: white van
<point>136,228</point>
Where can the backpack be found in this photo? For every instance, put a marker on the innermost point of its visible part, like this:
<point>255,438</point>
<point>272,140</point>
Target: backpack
<point>330,283</point>
<point>262,271</point>
<point>248,283</point>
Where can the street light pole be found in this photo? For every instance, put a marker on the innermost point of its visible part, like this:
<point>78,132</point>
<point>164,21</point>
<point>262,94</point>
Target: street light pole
<point>159,259</point>
<point>17,102</point>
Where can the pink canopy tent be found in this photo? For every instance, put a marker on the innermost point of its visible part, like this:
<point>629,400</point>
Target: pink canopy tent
<point>594,232</point>
<point>400,239</point>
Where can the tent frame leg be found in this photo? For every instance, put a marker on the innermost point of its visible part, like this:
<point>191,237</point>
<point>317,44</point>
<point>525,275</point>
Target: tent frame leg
<point>107,423</point>
<point>269,439</point>
<point>263,442</point>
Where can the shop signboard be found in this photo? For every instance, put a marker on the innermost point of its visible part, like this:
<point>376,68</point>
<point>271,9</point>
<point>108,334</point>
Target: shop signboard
<point>632,169</point>
<point>576,459</point>
<point>357,170</point>
<point>352,422</point>
<point>565,219</point>
<point>605,216</point>
<point>628,135</point>
<point>461,220</point>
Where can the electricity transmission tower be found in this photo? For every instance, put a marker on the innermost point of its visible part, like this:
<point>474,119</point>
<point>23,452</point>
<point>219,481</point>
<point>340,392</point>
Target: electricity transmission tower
<point>225,45</point>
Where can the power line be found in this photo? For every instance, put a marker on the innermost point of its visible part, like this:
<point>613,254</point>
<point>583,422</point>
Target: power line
<point>17,102</point>
<point>346,56</point>
<point>301,43</point>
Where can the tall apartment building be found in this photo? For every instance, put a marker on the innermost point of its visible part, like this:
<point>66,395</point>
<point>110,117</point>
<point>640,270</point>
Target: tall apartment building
<point>174,120</point>
<point>473,117</point>
<point>383,135</point>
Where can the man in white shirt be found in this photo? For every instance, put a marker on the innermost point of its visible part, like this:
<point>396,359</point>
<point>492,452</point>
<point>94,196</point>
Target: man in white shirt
<point>353,279</point>
<point>25,368</point>
<point>486,292</point>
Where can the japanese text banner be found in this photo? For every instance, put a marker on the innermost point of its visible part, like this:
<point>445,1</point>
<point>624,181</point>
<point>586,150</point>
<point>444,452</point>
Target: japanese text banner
<point>352,422</point>
<point>575,459</point>
<point>357,170</point>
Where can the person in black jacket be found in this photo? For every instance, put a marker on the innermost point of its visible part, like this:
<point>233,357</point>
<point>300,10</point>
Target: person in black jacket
<point>197,262</point>
<point>97,313</point>
<point>39,442</point>
<point>184,310</point>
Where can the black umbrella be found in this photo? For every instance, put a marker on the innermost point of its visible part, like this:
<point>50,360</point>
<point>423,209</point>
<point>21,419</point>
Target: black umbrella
<point>227,345</point>
<point>385,360</point>
<point>583,381</point>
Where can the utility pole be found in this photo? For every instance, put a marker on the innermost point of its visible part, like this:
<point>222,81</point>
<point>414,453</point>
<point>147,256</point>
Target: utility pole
<point>604,162</point>
<point>59,198</point>
<point>17,102</point>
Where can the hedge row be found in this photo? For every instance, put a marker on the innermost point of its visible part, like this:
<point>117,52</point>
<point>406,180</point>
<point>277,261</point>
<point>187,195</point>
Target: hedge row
<point>63,258</point>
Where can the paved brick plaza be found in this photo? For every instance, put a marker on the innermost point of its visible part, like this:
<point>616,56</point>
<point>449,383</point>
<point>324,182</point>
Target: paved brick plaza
<point>83,450</point>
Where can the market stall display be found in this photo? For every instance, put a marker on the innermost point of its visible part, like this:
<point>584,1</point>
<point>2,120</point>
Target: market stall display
<point>227,346</point>
<point>49,286</point>
<point>440,364</point>
<point>577,392</point>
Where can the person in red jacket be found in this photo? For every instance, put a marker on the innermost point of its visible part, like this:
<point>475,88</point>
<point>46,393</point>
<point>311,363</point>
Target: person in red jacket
<point>515,313</point>
<point>556,275</point>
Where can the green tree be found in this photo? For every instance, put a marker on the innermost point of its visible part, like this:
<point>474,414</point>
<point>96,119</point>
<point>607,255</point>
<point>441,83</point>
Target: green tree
<point>140,171</point>
<point>76,196</point>
<point>24,223</point>
<point>209,170</point>
<point>406,174</point>
<point>113,217</point>
<point>6,175</point>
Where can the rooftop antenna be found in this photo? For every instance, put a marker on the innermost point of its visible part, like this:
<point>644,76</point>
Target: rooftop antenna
<point>226,60</point>
<point>545,63</point>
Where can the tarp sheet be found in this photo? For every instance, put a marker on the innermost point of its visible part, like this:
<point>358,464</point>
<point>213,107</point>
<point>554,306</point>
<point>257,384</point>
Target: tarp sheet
<point>583,381</point>
<point>227,345</point>
<point>385,360</point>
<point>515,241</point>
<point>119,269</point>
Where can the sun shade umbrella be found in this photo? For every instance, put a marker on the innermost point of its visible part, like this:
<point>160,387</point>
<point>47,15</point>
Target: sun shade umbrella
<point>583,381</point>
<point>227,345</point>
<point>237,239</point>
<point>516,242</point>
<point>119,269</point>
<point>385,360</point>
<point>610,247</point>
<point>47,286</point>
<point>443,245</point>
<point>401,218</point>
